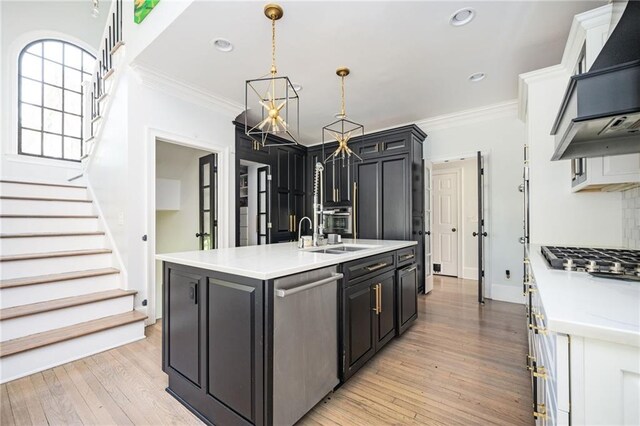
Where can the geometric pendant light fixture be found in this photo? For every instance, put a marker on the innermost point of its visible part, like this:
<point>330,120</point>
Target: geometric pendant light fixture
<point>271,101</point>
<point>342,130</point>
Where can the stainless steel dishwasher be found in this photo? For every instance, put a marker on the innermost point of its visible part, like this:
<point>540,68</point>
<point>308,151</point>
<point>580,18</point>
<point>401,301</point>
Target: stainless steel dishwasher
<point>305,342</point>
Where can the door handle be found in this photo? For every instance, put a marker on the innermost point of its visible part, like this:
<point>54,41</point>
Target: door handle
<point>475,234</point>
<point>377,309</point>
<point>427,233</point>
<point>203,234</point>
<point>193,293</point>
<point>453,229</point>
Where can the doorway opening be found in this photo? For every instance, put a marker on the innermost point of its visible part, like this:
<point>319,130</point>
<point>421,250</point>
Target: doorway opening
<point>458,224</point>
<point>186,194</point>
<point>254,204</point>
<point>454,217</point>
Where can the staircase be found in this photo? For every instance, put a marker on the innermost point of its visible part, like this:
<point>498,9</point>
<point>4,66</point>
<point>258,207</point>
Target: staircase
<point>61,297</point>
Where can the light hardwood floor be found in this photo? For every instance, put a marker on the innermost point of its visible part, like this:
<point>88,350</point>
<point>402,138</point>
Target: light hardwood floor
<point>459,364</point>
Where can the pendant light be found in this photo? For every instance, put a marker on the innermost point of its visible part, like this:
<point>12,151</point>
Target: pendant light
<point>271,102</point>
<point>342,130</point>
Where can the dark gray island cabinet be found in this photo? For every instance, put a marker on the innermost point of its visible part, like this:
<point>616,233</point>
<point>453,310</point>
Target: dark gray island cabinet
<point>218,332</point>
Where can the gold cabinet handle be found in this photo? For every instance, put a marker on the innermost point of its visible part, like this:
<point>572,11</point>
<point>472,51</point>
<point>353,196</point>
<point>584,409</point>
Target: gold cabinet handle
<point>407,257</point>
<point>376,309</point>
<point>540,372</point>
<point>539,330</point>
<point>376,266</point>
<point>355,212</point>
<point>379,298</point>
<point>295,223</point>
<point>530,359</point>
<point>540,412</point>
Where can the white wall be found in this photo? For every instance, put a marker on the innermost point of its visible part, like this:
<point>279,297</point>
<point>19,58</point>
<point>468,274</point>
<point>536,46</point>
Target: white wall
<point>468,248</point>
<point>497,132</point>
<point>559,216</point>
<point>20,23</point>
<point>120,172</point>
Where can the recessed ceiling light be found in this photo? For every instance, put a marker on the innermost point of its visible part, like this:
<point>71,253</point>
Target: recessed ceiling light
<point>477,77</point>
<point>297,86</point>
<point>222,44</point>
<point>462,17</point>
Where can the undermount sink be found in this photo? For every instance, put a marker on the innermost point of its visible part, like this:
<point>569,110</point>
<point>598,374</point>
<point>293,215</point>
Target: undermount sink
<point>339,249</point>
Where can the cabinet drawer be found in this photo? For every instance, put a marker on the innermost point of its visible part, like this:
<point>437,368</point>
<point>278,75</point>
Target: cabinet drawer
<point>362,269</point>
<point>406,256</point>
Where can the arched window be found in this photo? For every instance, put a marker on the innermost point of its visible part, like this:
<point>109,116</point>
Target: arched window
<point>50,99</point>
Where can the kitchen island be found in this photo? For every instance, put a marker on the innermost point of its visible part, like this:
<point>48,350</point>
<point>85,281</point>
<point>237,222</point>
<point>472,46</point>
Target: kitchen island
<point>260,334</point>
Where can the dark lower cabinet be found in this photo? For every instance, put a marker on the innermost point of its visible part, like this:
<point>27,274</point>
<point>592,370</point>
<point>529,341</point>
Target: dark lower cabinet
<point>369,320</point>
<point>183,324</point>
<point>358,325</point>
<point>407,294</point>
<point>386,314</point>
<point>213,344</point>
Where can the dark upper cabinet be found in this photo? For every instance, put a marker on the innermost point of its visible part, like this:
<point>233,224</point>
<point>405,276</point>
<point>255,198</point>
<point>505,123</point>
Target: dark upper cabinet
<point>407,295</point>
<point>368,176</point>
<point>395,192</point>
<point>289,183</point>
<point>338,177</point>
<point>390,195</point>
<point>182,296</point>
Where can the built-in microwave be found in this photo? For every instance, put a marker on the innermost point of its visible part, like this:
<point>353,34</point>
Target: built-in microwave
<point>338,220</point>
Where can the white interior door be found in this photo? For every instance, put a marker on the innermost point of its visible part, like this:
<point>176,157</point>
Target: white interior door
<point>428,226</point>
<point>445,223</point>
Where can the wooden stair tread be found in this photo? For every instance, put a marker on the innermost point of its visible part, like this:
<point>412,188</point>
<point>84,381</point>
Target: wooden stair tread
<point>33,341</point>
<point>52,234</point>
<point>43,279</point>
<point>66,302</point>
<point>47,216</point>
<point>60,185</point>
<point>70,200</point>
<point>30,256</point>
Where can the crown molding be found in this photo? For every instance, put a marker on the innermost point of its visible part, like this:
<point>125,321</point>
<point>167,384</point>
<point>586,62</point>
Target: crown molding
<point>157,80</point>
<point>525,79</point>
<point>470,116</point>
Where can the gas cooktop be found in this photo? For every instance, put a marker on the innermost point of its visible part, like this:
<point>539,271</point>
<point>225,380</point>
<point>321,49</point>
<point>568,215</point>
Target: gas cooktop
<point>609,263</point>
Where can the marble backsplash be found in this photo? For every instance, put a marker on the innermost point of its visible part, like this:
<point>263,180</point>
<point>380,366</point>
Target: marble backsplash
<point>631,218</point>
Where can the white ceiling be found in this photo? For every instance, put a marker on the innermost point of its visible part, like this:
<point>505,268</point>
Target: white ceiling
<point>407,62</point>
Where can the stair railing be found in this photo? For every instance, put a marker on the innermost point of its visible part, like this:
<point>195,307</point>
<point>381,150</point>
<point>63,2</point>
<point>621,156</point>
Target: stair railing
<point>97,89</point>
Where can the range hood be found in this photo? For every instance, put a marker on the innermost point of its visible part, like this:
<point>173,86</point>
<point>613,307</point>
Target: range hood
<point>600,112</point>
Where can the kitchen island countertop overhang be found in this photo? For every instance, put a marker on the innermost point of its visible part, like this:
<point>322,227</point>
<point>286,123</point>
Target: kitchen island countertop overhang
<point>265,262</point>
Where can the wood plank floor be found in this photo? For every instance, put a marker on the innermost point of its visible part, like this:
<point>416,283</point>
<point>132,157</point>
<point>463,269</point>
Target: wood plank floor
<point>459,364</point>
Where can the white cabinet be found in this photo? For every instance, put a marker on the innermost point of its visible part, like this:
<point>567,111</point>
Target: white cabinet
<point>614,173</point>
<point>578,380</point>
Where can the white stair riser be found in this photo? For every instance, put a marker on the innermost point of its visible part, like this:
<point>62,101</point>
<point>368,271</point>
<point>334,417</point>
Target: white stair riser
<point>21,190</point>
<point>23,364</point>
<point>24,295</point>
<point>45,321</point>
<point>54,265</point>
<point>49,244</point>
<point>26,225</point>
<point>45,207</point>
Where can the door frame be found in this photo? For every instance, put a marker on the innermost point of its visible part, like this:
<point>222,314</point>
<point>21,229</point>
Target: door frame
<point>458,172</point>
<point>486,154</point>
<point>226,226</point>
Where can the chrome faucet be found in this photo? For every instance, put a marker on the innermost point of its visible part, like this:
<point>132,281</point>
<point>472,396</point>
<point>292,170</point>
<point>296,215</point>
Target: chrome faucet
<point>300,242</point>
<point>318,226</point>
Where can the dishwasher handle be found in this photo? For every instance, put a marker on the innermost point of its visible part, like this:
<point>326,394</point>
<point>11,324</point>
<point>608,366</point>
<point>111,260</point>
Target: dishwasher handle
<point>308,286</point>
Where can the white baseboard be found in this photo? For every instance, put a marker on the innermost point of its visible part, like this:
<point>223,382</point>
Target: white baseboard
<point>507,293</point>
<point>470,273</point>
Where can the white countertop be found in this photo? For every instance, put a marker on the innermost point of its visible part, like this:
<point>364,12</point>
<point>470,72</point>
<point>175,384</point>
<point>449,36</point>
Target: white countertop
<point>578,304</point>
<point>270,261</point>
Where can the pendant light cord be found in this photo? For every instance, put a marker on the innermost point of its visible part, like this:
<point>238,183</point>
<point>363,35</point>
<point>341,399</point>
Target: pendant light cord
<point>274,70</point>
<point>344,114</point>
